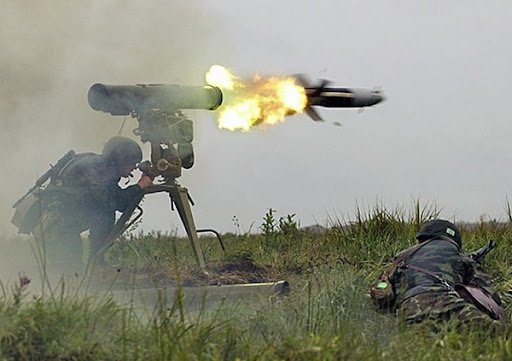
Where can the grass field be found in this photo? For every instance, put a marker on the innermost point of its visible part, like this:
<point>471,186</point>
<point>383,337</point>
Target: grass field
<point>327,316</point>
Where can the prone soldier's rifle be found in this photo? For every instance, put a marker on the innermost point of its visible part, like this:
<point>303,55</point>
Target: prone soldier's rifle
<point>157,108</point>
<point>476,295</point>
<point>480,253</point>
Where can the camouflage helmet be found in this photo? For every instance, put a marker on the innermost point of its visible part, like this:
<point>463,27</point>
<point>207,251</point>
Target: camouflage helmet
<point>438,228</point>
<point>122,150</point>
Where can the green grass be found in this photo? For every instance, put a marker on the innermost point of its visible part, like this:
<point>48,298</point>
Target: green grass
<point>327,316</point>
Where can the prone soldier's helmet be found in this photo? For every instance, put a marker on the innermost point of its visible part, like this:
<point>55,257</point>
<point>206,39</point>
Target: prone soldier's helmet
<point>121,151</point>
<point>439,228</point>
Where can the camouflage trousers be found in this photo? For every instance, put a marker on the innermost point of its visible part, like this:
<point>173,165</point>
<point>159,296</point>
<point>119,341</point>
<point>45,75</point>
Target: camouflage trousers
<point>58,241</point>
<point>443,305</point>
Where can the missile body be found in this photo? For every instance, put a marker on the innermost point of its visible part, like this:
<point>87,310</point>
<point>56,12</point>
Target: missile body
<point>334,97</point>
<point>342,97</point>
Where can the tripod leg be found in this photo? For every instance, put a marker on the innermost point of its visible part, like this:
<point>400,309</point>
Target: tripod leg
<point>180,198</point>
<point>122,222</point>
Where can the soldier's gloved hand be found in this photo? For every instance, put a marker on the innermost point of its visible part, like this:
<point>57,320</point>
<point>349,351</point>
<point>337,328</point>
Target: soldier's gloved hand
<point>145,181</point>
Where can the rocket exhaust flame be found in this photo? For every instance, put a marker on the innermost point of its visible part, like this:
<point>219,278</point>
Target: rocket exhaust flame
<point>260,100</point>
<point>269,100</point>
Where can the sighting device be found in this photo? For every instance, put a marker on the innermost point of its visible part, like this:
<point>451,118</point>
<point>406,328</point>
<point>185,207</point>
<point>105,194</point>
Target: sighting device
<point>158,110</point>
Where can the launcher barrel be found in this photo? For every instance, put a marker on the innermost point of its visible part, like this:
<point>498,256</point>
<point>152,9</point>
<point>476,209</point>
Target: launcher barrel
<point>124,99</point>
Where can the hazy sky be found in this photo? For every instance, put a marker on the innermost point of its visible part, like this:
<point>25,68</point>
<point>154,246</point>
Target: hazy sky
<point>443,134</point>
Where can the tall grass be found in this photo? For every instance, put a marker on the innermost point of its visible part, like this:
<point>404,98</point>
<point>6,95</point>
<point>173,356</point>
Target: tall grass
<point>327,316</point>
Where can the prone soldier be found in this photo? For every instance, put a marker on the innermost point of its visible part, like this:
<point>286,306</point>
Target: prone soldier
<point>434,281</point>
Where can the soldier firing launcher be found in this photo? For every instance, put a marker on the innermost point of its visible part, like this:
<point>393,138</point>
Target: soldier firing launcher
<point>157,107</point>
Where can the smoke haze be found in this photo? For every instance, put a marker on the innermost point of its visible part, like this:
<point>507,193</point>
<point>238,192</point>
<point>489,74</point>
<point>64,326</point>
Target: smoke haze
<point>53,51</point>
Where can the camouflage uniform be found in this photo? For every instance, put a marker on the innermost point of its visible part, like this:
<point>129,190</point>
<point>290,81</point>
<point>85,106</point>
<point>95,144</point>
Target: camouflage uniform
<point>86,196</point>
<point>420,297</point>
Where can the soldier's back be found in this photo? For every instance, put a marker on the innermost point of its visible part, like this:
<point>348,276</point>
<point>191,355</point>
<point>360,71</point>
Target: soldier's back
<point>426,285</point>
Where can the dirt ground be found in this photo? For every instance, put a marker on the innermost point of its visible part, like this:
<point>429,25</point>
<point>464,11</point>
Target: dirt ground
<point>229,273</point>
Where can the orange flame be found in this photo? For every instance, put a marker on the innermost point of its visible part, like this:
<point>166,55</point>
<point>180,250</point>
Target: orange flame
<point>264,100</point>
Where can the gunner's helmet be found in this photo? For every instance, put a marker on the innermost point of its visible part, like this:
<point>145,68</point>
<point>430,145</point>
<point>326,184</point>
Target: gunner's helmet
<point>439,228</point>
<point>122,151</point>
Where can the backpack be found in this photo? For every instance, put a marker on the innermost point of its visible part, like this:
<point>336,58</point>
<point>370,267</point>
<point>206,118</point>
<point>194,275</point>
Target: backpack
<point>31,205</point>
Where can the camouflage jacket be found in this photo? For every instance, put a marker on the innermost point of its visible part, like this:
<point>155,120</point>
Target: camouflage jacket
<point>443,258</point>
<point>88,183</point>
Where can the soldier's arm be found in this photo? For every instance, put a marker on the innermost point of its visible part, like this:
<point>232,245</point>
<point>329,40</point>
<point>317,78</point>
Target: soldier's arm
<point>383,290</point>
<point>108,193</point>
<point>123,197</point>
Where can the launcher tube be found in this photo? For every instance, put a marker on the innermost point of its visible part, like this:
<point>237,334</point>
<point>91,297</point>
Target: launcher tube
<point>123,99</point>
